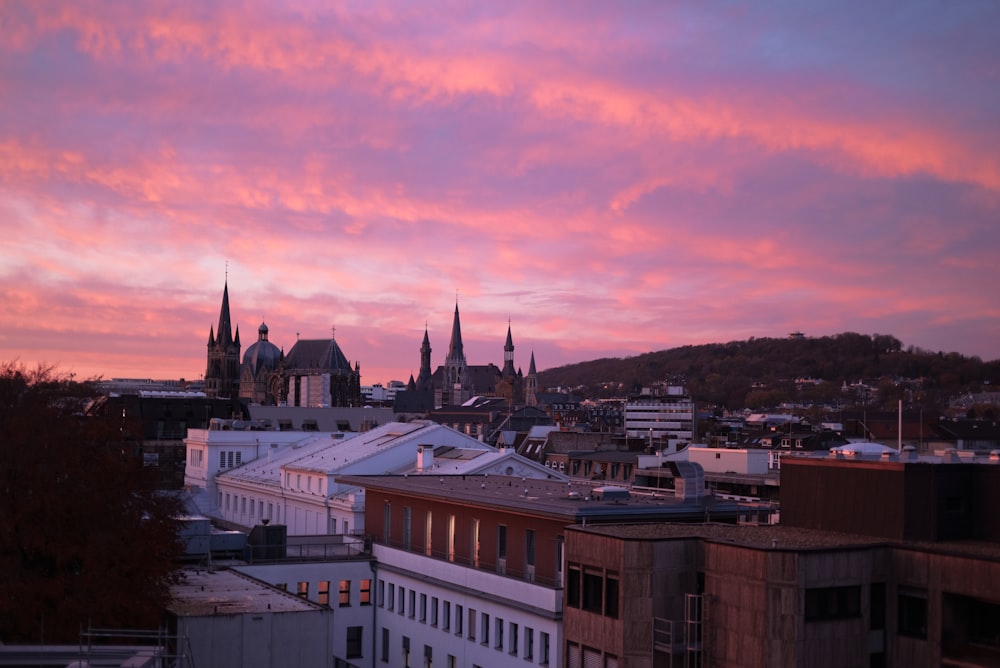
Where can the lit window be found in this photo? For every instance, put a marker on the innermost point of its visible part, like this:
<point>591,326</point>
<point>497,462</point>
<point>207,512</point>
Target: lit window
<point>323,592</point>
<point>345,593</point>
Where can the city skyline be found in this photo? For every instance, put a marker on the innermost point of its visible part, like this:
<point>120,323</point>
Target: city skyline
<point>607,180</point>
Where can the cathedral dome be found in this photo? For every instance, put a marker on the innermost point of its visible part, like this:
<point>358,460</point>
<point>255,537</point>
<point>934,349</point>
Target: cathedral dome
<point>263,354</point>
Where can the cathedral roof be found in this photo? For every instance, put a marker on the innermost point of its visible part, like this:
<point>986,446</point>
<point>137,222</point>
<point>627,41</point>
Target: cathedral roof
<point>314,355</point>
<point>262,354</point>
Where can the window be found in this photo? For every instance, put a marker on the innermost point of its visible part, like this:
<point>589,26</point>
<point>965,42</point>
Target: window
<point>365,597</point>
<point>611,595</point>
<point>413,603</point>
<point>385,645</point>
<point>452,662</point>
<point>484,629</point>
<point>459,619</point>
<point>323,592</point>
<point>392,596</point>
<point>512,639</point>
<point>402,600</point>
<point>345,593</point>
<point>592,599</point>
<point>451,538</point>
<point>475,543</point>
<point>428,656</point>
<point>573,586</point>
<point>406,652</point>
<point>912,614</point>
<point>354,638</point>
<point>472,624</point>
<point>222,459</point>
<point>502,542</point>
<point>303,590</point>
<point>423,608</point>
<point>498,634</point>
<point>445,615</point>
<point>381,593</point>
<point>434,611</point>
<point>826,603</point>
<point>406,527</point>
<point>428,524</point>
<point>529,643</point>
<point>543,648</point>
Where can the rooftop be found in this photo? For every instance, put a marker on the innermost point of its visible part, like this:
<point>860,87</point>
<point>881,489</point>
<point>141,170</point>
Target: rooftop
<point>778,537</point>
<point>225,592</point>
<point>571,500</point>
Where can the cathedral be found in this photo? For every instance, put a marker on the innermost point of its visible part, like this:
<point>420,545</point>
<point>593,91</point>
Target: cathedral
<point>315,372</point>
<point>457,381</point>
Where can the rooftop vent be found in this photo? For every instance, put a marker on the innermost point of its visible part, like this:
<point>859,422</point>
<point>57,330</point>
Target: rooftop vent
<point>611,494</point>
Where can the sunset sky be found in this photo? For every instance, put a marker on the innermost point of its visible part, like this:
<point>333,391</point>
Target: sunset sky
<point>610,178</point>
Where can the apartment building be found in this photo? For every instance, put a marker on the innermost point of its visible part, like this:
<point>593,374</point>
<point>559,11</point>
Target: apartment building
<point>470,568</point>
<point>878,562</point>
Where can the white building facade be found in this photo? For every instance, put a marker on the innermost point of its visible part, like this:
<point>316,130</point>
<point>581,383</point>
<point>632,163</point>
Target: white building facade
<point>668,416</point>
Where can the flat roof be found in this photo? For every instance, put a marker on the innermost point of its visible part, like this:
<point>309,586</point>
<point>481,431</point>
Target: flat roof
<point>568,500</point>
<point>203,592</point>
<point>778,537</point>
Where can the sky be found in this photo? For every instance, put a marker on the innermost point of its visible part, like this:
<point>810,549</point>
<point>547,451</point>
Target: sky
<point>608,179</point>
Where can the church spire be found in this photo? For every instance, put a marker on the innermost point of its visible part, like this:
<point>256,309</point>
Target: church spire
<point>222,373</point>
<point>424,375</point>
<point>225,328</point>
<point>455,348</point>
<point>508,355</point>
<point>456,389</point>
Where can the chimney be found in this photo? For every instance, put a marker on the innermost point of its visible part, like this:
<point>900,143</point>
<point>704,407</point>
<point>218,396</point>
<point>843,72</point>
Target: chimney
<point>425,457</point>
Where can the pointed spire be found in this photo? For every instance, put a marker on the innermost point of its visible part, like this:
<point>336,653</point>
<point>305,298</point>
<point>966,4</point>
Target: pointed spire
<point>211,336</point>
<point>508,354</point>
<point>225,328</point>
<point>455,348</point>
<point>531,367</point>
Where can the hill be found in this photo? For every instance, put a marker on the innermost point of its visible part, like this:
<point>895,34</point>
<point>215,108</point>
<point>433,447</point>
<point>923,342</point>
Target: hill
<point>748,373</point>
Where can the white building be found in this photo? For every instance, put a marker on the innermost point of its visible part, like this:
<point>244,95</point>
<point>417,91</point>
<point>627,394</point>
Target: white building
<point>245,477</point>
<point>668,416</point>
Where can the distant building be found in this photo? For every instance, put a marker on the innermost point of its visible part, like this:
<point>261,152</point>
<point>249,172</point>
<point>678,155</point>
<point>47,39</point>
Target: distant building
<point>668,416</point>
<point>456,381</point>
<point>315,372</point>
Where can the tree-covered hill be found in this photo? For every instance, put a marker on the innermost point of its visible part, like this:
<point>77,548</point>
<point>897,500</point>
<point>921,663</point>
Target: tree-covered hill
<point>728,374</point>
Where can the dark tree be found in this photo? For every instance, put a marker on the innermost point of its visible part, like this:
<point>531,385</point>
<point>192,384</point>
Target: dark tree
<point>86,540</point>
